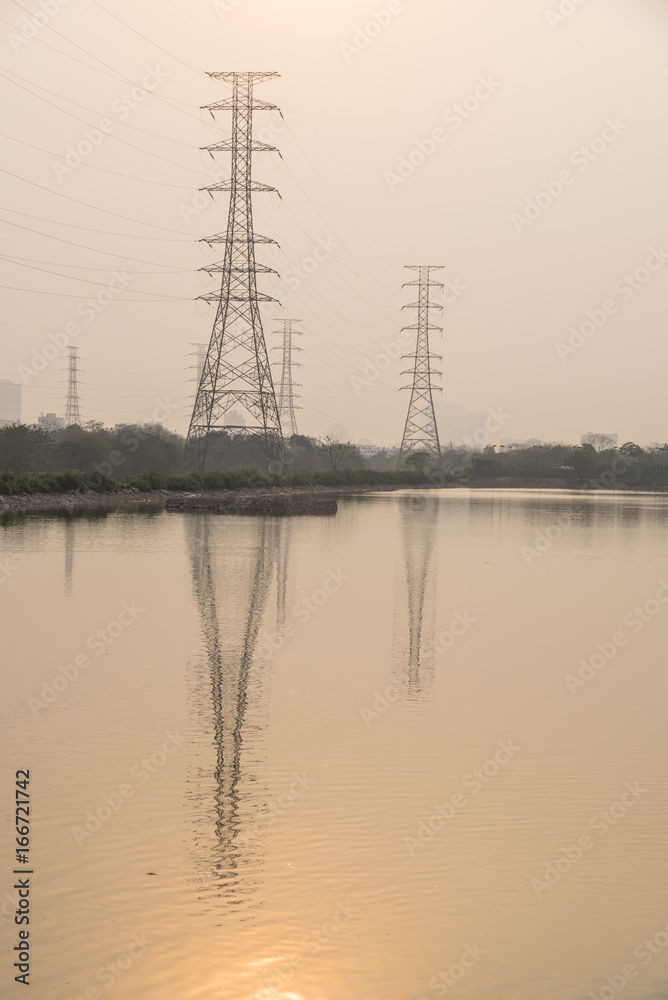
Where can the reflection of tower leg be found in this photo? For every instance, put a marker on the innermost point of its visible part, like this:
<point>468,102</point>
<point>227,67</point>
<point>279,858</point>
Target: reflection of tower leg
<point>69,553</point>
<point>415,669</point>
<point>231,596</point>
<point>282,572</point>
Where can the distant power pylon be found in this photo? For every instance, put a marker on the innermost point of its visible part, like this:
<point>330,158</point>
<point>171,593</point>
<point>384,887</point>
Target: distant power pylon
<point>201,358</point>
<point>236,369</point>
<point>72,411</point>
<point>199,354</point>
<point>421,432</point>
<point>286,394</point>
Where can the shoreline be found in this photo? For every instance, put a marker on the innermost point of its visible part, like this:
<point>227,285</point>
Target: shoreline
<point>156,500</point>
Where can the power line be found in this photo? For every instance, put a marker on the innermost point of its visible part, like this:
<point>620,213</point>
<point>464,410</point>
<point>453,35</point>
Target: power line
<point>94,166</point>
<point>68,100</point>
<point>95,208</point>
<point>114,73</point>
<point>87,229</point>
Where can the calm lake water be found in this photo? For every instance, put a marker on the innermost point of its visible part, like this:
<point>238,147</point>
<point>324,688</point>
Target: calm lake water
<point>415,750</point>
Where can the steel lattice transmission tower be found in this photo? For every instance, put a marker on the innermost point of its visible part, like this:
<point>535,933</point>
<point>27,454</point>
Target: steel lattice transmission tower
<point>199,353</point>
<point>72,411</point>
<point>286,394</point>
<point>236,371</point>
<point>201,358</point>
<point>421,432</point>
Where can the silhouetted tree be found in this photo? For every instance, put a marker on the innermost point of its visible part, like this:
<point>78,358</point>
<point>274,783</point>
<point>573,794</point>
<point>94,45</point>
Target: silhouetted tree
<point>338,452</point>
<point>23,449</point>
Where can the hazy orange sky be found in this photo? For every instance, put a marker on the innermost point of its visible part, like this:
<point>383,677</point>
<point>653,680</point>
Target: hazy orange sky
<point>547,84</point>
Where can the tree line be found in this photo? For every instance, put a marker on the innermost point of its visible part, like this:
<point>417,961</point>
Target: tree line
<point>122,453</point>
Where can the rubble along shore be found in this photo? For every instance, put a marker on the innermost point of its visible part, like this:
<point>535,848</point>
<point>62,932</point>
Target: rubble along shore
<point>134,500</point>
<point>155,500</point>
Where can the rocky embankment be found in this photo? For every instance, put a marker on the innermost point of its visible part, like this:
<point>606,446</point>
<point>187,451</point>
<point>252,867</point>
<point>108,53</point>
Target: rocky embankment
<point>230,500</point>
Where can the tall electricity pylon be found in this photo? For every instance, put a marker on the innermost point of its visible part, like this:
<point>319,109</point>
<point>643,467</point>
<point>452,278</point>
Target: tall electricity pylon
<point>72,411</point>
<point>286,394</point>
<point>421,432</point>
<point>236,371</point>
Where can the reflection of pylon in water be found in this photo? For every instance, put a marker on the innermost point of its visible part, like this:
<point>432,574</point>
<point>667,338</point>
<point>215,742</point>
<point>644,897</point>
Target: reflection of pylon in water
<point>69,553</point>
<point>415,663</point>
<point>282,572</point>
<point>231,592</point>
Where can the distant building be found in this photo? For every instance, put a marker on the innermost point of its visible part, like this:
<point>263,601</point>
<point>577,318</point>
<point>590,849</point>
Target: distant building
<point>461,428</point>
<point>338,431</point>
<point>516,443</point>
<point>10,403</point>
<point>233,418</point>
<point>50,422</point>
<point>367,450</point>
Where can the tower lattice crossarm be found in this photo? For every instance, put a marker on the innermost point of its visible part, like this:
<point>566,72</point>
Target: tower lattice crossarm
<point>420,430</point>
<point>72,408</point>
<point>286,393</point>
<point>236,373</point>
